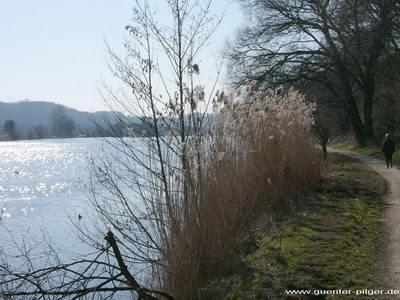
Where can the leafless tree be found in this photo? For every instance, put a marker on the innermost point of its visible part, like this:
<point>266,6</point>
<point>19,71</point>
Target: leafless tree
<point>60,124</point>
<point>349,48</point>
<point>10,129</point>
<point>161,159</point>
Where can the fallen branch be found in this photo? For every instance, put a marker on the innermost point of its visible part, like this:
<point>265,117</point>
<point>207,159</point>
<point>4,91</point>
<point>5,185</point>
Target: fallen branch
<point>143,293</point>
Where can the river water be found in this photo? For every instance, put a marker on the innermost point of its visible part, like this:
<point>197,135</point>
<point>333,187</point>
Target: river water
<point>42,190</point>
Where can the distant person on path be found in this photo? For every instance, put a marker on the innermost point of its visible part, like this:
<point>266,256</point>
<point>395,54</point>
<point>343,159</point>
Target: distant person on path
<point>388,150</point>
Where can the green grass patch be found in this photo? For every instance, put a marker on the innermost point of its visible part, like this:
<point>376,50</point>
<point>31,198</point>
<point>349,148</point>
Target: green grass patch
<point>341,146</point>
<point>366,151</point>
<point>331,246</point>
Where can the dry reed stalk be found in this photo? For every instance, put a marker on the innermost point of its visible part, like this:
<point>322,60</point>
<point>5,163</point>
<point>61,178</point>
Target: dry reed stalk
<point>263,156</point>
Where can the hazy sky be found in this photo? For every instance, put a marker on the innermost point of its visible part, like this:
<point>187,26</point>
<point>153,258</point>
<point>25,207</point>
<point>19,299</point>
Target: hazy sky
<point>53,50</point>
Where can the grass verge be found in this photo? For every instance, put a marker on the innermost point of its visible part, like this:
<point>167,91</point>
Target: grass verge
<point>331,246</point>
<point>366,151</point>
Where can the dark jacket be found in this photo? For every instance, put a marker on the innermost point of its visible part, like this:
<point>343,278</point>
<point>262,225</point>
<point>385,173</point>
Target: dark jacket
<point>388,147</point>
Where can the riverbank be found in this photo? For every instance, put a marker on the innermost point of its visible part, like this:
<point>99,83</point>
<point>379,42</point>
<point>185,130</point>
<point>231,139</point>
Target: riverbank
<point>332,247</point>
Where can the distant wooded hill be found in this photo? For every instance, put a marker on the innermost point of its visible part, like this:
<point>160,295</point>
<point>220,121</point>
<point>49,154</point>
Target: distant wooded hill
<point>39,119</point>
<point>31,115</point>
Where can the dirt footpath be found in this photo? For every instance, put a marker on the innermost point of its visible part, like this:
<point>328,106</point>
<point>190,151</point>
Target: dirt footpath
<point>390,244</point>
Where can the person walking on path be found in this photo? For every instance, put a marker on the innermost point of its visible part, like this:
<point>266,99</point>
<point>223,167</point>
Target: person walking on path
<point>388,150</point>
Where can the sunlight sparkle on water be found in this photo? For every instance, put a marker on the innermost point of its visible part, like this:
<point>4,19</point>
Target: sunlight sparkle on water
<point>38,171</point>
<point>41,192</point>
